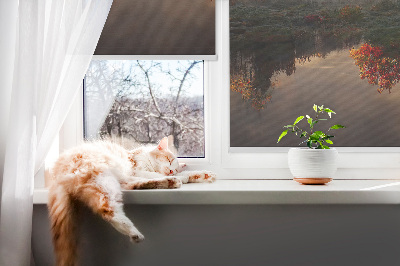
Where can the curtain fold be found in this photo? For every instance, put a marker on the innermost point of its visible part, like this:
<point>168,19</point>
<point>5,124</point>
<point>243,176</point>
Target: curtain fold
<point>55,41</point>
<point>8,24</point>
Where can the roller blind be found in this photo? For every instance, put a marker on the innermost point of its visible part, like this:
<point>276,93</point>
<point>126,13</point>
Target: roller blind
<point>159,27</point>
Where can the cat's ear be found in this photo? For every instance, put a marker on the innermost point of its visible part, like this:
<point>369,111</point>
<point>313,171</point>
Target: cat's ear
<point>171,146</point>
<point>163,145</point>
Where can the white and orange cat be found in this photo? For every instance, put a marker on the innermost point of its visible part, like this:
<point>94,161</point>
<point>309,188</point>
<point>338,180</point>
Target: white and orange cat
<point>94,174</point>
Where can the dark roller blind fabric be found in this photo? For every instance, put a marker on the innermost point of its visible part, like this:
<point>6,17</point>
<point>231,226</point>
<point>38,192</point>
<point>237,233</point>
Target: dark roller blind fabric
<point>159,27</point>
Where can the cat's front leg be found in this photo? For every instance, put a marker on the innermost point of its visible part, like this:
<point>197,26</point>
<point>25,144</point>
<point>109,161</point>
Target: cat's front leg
<point>147,174</point>
<point>197,177</point>
<point>181,167</point>
<point>155,183</point>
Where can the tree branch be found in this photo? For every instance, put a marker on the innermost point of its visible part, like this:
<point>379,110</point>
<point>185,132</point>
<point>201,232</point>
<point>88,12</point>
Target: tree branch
<point>146,73</point>
<point>182,81</point>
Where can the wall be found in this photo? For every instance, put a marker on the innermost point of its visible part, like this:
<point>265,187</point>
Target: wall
<point>237,235</point>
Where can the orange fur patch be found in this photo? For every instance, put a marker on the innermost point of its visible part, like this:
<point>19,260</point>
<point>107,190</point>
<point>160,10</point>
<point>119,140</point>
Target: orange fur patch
<point>96,199</point>
<point>132,156</point>
<point>162,157</point>
<point>196,176</point>
<point>171,183</point>
<point>77,157</point>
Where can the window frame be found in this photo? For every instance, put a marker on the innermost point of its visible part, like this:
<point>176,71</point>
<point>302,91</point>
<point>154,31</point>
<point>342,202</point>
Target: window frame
<point>190,160</point>
<point>354,162</point>
<point>72,130</point>
<point>244,163</point>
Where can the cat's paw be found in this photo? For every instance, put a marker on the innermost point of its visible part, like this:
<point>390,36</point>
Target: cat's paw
<point>182,167</point>
<point>174,182</point>
<point>137,237</point>
<point>210,177</point>
<point>201,176</point>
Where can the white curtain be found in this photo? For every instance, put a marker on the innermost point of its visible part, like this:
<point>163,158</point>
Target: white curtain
<point>55,40</point>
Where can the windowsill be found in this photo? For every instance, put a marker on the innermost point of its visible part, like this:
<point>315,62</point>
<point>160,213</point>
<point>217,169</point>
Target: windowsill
<point>264,192</point>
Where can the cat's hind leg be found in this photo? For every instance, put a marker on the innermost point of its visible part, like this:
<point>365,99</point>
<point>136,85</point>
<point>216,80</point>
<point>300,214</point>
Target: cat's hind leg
<point>103,195</point>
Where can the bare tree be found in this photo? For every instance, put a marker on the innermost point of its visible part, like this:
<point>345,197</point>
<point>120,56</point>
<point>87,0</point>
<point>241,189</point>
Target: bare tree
<point>144,106</point>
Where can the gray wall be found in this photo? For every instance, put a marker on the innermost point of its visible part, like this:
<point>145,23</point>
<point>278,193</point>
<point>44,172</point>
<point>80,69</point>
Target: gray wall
<point>237,235</point>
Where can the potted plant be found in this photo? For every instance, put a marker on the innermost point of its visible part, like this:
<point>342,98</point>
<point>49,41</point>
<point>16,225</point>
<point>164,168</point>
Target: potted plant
<point>317,163</point>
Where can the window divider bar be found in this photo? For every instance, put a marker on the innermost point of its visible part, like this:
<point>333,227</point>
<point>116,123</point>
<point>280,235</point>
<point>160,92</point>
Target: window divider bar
<point>156,57</point>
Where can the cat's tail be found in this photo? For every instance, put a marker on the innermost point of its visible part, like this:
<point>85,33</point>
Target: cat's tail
<point>62,212</point>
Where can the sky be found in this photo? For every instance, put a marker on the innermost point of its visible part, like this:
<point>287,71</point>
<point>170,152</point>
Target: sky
<point>196,83</point>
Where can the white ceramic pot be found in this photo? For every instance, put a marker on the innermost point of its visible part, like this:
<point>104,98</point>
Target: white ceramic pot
<point>312,166</point>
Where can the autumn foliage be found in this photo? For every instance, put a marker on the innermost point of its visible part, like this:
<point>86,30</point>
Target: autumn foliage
<point>246,88</point>
<point>377,68</point>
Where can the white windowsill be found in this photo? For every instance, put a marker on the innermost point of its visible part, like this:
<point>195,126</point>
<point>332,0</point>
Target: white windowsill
<point>264,192</point>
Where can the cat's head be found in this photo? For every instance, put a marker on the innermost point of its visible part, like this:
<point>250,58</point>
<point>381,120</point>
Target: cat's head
<point>164,161</point>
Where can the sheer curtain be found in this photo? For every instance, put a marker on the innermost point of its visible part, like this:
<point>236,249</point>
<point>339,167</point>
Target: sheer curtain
<point>55,41</point>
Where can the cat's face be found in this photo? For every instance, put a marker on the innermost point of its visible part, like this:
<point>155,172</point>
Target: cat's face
<point>165,162</point>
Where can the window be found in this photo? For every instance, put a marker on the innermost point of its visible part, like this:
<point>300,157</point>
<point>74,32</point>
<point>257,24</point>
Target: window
<point>142,101</point>
<point>287,56</point>
<point>243,162</point>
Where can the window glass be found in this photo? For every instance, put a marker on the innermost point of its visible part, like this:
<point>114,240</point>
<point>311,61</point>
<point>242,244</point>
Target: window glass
<point>288,55</point>
<point>140,102</point>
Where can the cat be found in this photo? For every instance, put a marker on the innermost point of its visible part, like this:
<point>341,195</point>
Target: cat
<point>94,174</point>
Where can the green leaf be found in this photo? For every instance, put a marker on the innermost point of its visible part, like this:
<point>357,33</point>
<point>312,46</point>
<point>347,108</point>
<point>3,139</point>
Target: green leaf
<point>329,110</point>
<point>319,145</point>
<point>310,121</point>
<point>319,134</point>
<point>329,141</point>
<point>314,137</point>
<point>298,120</point>
<point>337,127</point>
<point>284,133</point>
<point>288,126</point>
<point>309,143</point>
<point>303,134</point>
<point>315,107</point>
<point>327,137</point>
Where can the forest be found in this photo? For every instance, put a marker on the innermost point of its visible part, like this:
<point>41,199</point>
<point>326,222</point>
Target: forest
<point>143,101</point>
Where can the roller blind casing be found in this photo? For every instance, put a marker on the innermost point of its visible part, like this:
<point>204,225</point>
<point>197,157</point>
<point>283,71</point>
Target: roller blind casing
<point>159,27</point>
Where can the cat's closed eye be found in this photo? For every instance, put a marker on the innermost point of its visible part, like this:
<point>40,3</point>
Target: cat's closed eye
<point>165,158</point>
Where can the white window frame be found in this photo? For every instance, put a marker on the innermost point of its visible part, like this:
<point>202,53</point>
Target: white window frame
<point>245,163</point>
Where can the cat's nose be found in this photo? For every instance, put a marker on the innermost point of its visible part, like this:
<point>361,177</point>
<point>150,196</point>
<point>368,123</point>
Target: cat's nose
<point>171,172</point>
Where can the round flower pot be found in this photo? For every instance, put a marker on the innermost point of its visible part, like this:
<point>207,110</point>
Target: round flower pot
<point>312,166</point>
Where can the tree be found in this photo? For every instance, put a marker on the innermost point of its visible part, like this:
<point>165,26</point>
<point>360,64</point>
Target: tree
<point>149,101</point>
<point>377,68</point>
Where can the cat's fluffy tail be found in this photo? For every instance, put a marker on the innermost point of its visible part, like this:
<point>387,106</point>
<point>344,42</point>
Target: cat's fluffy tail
<point>62,212</point>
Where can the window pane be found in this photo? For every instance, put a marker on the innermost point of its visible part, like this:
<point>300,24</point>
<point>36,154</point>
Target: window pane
<point>288,55</point>
<point>141,102</point>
